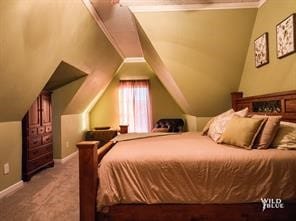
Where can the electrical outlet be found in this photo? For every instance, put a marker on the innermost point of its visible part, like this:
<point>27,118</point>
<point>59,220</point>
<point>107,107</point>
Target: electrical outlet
<point>6,168</point>
<point>67,144</point>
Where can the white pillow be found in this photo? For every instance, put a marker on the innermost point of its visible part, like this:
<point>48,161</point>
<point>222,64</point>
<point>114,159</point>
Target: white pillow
<point>286,136</point>
<point>218,126</point>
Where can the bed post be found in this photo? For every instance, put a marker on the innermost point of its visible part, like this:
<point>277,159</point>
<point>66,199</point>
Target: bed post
<point>234,97</point>
<point>88,179</point>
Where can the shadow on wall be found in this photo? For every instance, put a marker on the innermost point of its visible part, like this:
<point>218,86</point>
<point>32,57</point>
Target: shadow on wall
<point>64,74</point>
<point>67,129</point>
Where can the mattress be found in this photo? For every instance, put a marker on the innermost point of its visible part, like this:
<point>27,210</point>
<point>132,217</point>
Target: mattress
<point>188,168</point>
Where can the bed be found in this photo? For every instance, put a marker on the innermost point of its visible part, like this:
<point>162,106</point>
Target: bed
<point>187,176</point>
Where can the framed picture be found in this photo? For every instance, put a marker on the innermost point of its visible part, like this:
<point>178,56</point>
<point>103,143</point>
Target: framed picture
<point>261,50</point>
<point>286,36</point>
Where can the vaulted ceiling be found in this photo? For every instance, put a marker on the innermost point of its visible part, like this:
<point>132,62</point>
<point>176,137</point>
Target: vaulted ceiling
<point>177,2</point>
<point>95,38</point>
<point>45,34</point>
<point>196,54</point>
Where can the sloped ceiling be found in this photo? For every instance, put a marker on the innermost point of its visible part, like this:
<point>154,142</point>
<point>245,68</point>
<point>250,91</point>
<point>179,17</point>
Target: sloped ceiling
<point>201,53</point>
<point>64,74</point>
<point>44,34</point>
<point>204,51</point>
<point>106,111</point>
<point>152,57</point>
<point>119,22</point>
<point>179,2</point>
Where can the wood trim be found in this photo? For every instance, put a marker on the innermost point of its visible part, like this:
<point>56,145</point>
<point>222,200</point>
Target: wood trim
<point>134,60</point>
<point>66,159</point>
<point>198,212</point>
<point>194,7</point>
<point>234,98</point>
<point>103,150</point>
<point>287,100</point>
<point>89,158</point>
<point>276,94</point>
<point>11,189</point>
<point>87,179</point>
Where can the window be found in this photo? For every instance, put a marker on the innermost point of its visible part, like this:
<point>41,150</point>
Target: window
<point>134,105</point>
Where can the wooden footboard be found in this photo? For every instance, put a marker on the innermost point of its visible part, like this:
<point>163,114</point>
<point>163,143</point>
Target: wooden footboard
<point>283,103</point>
<point>89,157</point>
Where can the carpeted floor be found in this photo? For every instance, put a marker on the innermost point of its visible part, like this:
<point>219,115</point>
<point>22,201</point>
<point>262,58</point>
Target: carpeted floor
<point>51,195</point>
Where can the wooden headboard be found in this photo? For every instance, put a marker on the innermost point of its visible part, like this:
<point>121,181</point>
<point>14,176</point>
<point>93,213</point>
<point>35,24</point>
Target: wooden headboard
<point>282,103</point>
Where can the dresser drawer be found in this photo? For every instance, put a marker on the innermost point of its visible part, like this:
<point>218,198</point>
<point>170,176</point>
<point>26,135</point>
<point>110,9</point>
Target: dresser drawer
<point>34,164</point>
<point>36,152</point>
<point>48,129</point>
<point>34,141</point>
<point>47,139</point>
<point>41,130</point>
<point>32,131</point>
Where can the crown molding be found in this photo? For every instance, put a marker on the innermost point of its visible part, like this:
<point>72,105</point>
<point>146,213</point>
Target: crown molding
<point>196,7</point>
<point>261,2</point>
<point>134,60</point>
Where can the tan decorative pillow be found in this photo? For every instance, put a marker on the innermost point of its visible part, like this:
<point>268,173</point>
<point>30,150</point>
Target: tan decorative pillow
<point>218,125</point>
<point>241,131</point>
<point>268,131</point>
<point>286,136</point>
<point>160,129</point>
<point>207,126</point>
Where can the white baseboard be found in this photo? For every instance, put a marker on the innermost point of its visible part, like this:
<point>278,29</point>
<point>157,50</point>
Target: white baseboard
<point>11,189</point>
<point>67,158</point>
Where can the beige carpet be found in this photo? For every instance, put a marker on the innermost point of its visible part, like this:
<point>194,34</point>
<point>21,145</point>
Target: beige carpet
<point>51,195</point>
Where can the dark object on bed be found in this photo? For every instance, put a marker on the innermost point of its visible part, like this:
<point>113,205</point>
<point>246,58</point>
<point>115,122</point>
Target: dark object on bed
<point>282,103</point>
<point>100,135</point>
<point>173,125</point>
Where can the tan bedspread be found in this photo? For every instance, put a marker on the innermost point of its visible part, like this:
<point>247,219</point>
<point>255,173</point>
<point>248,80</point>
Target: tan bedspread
<point>189,168</point>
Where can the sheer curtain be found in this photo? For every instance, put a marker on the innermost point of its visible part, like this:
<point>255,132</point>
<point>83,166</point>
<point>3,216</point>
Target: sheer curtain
<point>134,105</point>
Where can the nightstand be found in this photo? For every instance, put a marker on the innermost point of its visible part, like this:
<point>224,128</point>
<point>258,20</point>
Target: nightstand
<point>100,135</point>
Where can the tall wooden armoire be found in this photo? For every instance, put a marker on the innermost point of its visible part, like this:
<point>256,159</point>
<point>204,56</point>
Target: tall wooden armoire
<point>37,136</point>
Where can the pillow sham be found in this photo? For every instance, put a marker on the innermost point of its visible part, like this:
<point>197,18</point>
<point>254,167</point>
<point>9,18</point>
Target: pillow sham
<point>268,131</point>
<point>218,125</point>
<point>241,131</point>
<point>205,130</point>
<point>286,136</point>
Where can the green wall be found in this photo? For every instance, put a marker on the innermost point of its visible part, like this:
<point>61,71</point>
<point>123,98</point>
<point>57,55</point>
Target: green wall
<point>10,152</point>
<point>106,110</point>
<point>36,36</point>
<point>73,127</point>
<point>279,74</point>
<point>61,97</point>
<point>204,51</point>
